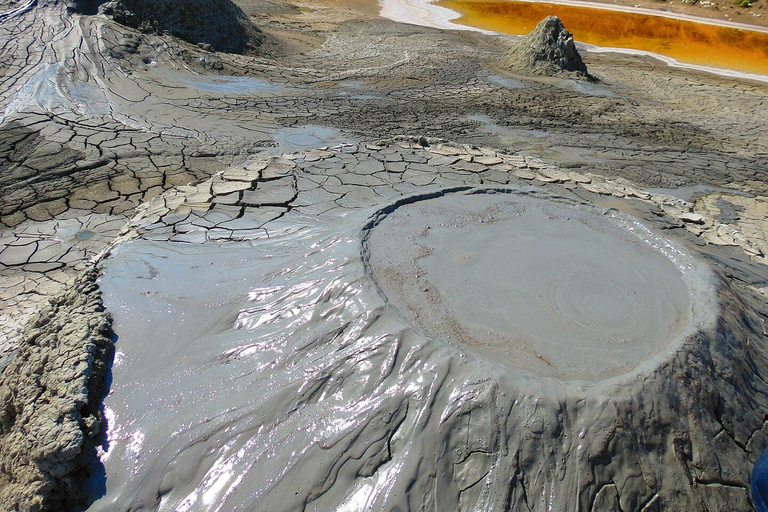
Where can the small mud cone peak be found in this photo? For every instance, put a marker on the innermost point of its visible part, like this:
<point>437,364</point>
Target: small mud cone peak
<point>547,50</point>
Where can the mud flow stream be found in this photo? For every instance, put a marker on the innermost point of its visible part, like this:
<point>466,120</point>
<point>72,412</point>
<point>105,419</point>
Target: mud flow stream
<point>685,41</point>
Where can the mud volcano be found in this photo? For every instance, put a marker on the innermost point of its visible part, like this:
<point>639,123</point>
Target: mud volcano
<point>396,326</point>
<point>545,287</point>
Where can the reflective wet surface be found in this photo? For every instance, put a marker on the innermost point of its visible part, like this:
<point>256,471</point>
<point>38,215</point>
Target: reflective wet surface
<point>299,138</point>
<point>273,373</point>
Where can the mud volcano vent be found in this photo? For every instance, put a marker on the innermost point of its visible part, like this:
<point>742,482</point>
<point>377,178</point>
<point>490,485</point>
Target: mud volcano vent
<point>539,284</point>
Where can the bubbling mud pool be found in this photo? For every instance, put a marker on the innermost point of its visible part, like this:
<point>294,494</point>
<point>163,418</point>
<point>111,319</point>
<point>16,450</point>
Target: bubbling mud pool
<point>272,374</point>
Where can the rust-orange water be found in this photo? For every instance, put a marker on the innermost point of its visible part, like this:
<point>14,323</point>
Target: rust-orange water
<point>686,41</point>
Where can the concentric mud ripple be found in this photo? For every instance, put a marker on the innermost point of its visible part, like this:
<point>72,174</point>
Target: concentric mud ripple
<point>542,285</point>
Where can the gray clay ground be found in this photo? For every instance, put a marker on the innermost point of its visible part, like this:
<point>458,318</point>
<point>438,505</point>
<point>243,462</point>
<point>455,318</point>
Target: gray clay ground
<point>109,135</point>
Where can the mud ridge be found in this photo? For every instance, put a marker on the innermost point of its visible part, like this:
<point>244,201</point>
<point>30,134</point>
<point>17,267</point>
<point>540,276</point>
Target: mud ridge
<point>50,397</point>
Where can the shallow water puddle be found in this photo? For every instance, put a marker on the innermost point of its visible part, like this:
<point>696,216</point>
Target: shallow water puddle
<point>508,83</point>
<point>299,138</point>
<point>686,41</point>
<point>225,84</point>
<point>694,191</point>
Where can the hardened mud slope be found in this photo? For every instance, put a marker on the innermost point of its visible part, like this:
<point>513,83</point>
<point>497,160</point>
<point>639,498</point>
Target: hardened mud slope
<point>216,24</point>
<point>547,50</point>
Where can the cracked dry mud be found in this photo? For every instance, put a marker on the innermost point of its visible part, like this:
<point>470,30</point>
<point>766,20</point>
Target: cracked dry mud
<point>142,147</point>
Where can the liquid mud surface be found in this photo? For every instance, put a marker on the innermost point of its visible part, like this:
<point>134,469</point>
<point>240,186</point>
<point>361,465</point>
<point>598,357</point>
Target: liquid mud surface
<point>548,288</point>
<point>304,357</point>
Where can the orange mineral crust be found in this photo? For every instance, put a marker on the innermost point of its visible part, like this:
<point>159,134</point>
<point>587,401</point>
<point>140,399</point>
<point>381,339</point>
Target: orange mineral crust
<point>686,41</point>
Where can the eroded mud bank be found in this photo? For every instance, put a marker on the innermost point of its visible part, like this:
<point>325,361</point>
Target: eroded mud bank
<point>50,402</point>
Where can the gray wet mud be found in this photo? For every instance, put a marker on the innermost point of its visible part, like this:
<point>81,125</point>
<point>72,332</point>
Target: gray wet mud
<point>690,193</point>
<point>221,84</point>
<point>300,138</point>
<point>102,126</point>
<point>263,359</point>
<point>509,83</point>
<point>284,328</point>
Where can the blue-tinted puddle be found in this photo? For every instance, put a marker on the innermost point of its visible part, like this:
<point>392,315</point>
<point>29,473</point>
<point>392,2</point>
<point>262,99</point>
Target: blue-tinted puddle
<point>355,89</point>
<point>489,125</point>
<point>224,84</point>
<point>299,138</point>
<point>692,192</point>
<point>590,89</point>
<point>509,83</point>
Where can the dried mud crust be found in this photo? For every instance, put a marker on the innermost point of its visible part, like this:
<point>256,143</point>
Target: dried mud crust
<point>141,136</point>
<point>50,397</point>
<point>107,143</point>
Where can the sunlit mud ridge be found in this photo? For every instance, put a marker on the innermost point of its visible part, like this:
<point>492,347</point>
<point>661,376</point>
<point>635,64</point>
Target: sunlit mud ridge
<point>291,383</point>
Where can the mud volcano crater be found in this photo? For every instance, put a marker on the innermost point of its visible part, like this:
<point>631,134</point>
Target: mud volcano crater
<point>537,283</point>
<point>510,348</point>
